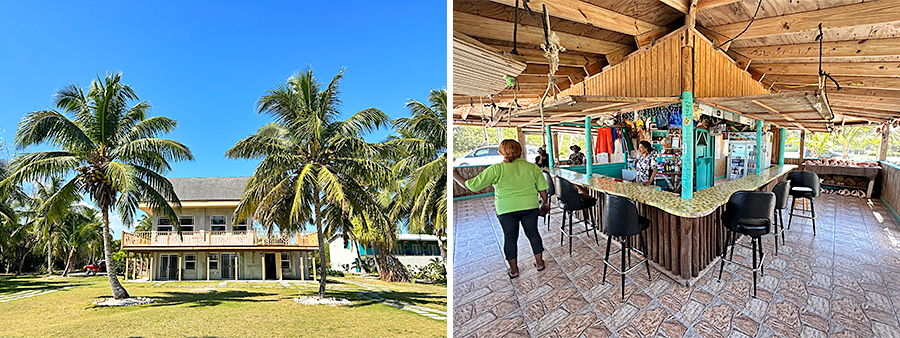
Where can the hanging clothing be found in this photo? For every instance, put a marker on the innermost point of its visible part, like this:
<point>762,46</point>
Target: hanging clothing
<point>604,141</point>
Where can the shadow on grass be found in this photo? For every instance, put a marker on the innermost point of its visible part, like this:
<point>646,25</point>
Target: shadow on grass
<point>204,299</point>
<point>416,298</point>
<point>11,284</point>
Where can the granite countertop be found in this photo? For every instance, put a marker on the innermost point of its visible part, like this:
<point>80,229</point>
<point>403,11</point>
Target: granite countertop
<point>704,202</point>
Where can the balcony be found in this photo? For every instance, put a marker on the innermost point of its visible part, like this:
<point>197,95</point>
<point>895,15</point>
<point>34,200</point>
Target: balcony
<point>218,239</point>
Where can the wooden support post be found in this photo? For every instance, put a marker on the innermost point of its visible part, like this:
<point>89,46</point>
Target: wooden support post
<point>150,268</point>
<point>278,261</point>
<point>207,266</point>
<point>781,134</point>
<point>588,152</point>
<point>759,145</point>
<point>126,267</point>
<point>179,266</point>
<point>555,140</point>
<point>520,136</point>
<point>885,144</point>
<point>687,152</point>
<point>802,145</point>
<point>314,266</point>
<point>263,266</point>
<point>551,146</point>
<point>235,266</point>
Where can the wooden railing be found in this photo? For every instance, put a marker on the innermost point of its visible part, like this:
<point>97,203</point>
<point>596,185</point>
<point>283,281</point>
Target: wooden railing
<point>219,238</point>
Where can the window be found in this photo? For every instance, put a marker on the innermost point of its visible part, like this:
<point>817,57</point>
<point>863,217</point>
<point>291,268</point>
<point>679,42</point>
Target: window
<point>285,260</point>
<point>190,261</point>
<point>417,250</point>
<point>214,261</point>
<point>163,221</point>
<point>791,144</point>
<point>187,223</point>
<point>217,223</point>
<point>164,228</point>
<point>480,152</point>
<point>241,225</point>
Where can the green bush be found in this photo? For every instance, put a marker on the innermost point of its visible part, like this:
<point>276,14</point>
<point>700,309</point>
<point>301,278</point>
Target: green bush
<point>335,273</point>
<point>435,271</point>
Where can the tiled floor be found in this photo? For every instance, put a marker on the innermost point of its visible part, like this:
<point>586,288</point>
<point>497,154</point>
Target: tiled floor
<point>844,282</point>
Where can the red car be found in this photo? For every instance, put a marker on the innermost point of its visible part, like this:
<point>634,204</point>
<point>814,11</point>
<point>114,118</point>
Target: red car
<point>93,269</point>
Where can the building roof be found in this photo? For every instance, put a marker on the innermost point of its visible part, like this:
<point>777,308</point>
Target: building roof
<point>209,188</point>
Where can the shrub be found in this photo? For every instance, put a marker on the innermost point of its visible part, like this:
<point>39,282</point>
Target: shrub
<point>335,273</point>
<point>435,271</point>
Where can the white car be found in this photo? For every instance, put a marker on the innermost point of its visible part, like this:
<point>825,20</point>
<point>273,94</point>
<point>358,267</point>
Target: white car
<point>488,155</point>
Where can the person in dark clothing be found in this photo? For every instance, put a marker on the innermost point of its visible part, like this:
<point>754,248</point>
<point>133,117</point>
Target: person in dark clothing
<point>543,158</point>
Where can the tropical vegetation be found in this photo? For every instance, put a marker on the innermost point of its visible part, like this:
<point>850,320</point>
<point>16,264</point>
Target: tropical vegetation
<point>107,148</point>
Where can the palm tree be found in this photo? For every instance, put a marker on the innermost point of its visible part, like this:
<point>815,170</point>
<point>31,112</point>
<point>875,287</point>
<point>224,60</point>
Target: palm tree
<point>855,138</point>
<point>108,148</point>
<point>817,144</point>
<point>80,229</point>
<point>314,168</point>
<point>424,143</point>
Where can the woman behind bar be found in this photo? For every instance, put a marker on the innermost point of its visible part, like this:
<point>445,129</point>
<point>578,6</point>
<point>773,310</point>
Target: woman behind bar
<point>516,183</point>
<point>577,157</point>
<point>646,167</point>
<point>542,159</point>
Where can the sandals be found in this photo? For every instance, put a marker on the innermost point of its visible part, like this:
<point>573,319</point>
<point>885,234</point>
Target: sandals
<point>511,276</point>
<point>541,269</point>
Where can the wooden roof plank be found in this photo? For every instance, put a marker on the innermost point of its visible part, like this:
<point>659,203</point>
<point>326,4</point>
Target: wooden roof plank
<point>586,13</point>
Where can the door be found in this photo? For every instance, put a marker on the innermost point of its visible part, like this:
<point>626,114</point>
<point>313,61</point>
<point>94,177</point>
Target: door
<point>168,267</point>
<point>226,264</point>
<point>270,266</point>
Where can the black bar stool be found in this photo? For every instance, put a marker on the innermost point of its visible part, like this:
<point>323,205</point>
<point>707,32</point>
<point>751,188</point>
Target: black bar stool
<point>571,201</point>
<point>748,213</point>
<point>804,184</point>
<point>781,191</point>
<point>620,219</point>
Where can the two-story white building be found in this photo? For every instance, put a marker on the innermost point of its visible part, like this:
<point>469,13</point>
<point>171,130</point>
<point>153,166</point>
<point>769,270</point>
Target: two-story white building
<point>212,244</point>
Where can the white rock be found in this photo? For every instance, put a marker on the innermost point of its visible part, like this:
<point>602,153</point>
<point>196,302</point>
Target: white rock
<point>123,302</point>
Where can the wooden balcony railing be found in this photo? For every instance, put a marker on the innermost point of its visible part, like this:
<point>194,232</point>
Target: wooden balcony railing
<point>218,238</point>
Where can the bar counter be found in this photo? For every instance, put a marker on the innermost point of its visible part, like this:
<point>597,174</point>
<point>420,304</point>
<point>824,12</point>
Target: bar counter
<point>685,235</point>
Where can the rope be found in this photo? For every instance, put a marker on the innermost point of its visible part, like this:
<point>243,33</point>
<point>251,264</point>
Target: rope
<point>551,49</point>
<point>823,74</point>
<point>758,5</point>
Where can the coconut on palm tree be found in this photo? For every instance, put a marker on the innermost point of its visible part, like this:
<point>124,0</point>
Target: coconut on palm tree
<point>108,147</point>
<point>314,168</point>
<point>423,166</point>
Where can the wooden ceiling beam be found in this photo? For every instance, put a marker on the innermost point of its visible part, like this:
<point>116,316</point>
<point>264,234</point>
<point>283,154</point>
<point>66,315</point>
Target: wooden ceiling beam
<point>586,13</point>
<point>479,26</point>
<point>617,56</point>
<point>869,47</point>
<point>679,5</point>
<point>703,5</point>
<point>649,38</point>
<point>886,69</point>
<point>537,57</point>
<point>808,82</point>
<point>866,13</point>
<point>887,94</point>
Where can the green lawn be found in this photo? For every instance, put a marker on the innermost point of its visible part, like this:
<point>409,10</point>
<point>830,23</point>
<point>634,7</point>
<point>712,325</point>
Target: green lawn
<point>240,310</point>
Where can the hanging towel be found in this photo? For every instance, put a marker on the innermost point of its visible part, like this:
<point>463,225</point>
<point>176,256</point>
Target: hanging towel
<point>604,141</point>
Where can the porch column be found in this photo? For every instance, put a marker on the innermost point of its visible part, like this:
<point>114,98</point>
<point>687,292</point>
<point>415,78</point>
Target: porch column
<point>304,266</point>
<point>278,269</point>
<point>520,136</point>
<point>781,134</point>
<point>550,147</point>
<point>885,143</point>
<point>150,269</point>
<point>687,146</point>
<point>314,267</point>
<point>802,145</point>
<point>556,142</point>
<point>235,266</point>
<point>179,266</point>
<point>759,146</point>
<point>263,266</point>
<point>588,151</point>
<point>207,266</point>
<point>125,278</point>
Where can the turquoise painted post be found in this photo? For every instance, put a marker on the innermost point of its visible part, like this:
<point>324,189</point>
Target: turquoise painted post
<point>781,147</point>
<point>550,148</point>
<point>588,152</point>
<point>759,142</point>
<point>687,145</point>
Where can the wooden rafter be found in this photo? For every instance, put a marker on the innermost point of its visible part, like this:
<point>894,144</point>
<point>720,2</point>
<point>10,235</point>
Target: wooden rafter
<point>680,5</point>
<point>586,13</point>
<point>852,48</point>
<point>479,26</point>
<point>887,69</point>
<point>703,5</point>
<point>866,13</point>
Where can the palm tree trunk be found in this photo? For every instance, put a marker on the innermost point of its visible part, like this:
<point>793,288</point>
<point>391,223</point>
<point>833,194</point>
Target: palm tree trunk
<point>323,272</point>
<point>443,252</point>
<point>118,291</point>
<point>49,256</point>
<point>69,262</point>
<point>25,253</point>
<point>359,261</point>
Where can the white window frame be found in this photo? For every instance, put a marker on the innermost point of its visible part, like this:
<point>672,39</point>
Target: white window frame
<point>285,261</point>
<point>223,225</point>
<point>190,258</point>
<point>214,259</point>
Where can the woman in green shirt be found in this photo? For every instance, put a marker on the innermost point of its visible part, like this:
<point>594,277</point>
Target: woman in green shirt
<point>516,184</point>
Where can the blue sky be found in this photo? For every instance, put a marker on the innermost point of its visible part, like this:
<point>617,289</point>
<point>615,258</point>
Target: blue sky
<point>205,63</point>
